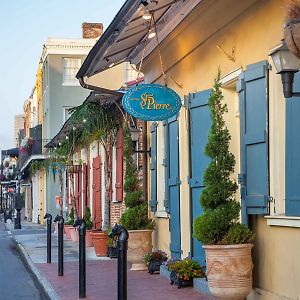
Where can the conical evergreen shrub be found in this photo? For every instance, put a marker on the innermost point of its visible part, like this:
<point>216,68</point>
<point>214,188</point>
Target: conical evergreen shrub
<point>221,211</point>
<point>136,215</point>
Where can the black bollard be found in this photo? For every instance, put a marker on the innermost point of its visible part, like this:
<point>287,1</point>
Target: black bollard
<point>60,221</point>
<point>123,234</point>
<point>49,224</point>
<point>81,225</point>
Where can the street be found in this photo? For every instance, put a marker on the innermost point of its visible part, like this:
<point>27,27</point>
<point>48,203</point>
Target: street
<point>15,281</point>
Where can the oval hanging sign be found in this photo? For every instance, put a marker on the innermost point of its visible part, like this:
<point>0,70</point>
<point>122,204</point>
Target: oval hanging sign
<point>152,102</point>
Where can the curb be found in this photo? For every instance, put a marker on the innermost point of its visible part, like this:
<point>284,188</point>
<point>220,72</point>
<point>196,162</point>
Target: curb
<point>39,278</point>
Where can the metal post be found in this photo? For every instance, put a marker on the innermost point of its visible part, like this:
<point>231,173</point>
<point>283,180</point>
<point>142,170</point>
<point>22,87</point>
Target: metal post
<point>1,195</point>
<point>123,234</point>
<point>60,221</point>
<point>49,224</point>
<point>18,207</point>
<point>81,225</point>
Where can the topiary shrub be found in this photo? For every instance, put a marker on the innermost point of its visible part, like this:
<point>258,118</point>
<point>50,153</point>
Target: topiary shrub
<point>71,217</point>
<point>238,234</point>
<point>87,219</point>
<point>136,215</point>
<point>219,222</point>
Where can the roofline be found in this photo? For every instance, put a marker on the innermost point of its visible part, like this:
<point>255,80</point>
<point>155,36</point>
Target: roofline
<point>98,88</point>
<point>31,158</point>
<point>121,17</point>
<point>51,144</point>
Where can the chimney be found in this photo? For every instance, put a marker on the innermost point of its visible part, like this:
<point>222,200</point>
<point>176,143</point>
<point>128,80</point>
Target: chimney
<point>91,30</point>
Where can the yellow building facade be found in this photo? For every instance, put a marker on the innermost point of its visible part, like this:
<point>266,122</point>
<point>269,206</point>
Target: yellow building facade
<point>230,35</point>
<point>40,176</point>
<point>193,40</point>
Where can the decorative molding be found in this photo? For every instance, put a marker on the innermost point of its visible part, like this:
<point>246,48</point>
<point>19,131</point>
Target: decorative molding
<point>283,221</point>
<point>67,47</point>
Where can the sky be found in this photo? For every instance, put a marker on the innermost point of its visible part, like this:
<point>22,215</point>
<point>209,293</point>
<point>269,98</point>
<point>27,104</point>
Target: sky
<point>24,27</point>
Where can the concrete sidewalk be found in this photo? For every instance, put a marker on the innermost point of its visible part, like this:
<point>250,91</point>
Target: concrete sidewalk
<point>101,272</point>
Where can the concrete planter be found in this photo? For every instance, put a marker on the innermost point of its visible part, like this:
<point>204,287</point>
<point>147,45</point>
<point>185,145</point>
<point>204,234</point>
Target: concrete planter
<point>229,270</point>
<point>139,243</point>
<point>100,242</point>
<point>74,234</point>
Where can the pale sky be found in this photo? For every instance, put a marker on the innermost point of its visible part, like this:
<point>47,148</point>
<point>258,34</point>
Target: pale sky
<point>24,27</point>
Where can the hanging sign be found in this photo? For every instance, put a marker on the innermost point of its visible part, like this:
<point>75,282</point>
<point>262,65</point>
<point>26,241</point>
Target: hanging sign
<point>152,102</point>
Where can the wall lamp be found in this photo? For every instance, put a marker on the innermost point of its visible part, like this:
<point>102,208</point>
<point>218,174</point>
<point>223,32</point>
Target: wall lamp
<point>286,64</point>
<point>135,137</point>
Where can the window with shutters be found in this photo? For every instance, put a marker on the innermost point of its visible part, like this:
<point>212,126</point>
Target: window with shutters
<point>157,169</point>
<point>70,69</point>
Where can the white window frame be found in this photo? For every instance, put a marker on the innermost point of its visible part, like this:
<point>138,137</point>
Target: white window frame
<point>70,81</point>
<point>65,111</point>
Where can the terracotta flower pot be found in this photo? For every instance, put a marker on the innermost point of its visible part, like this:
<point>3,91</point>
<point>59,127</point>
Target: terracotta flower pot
<point>100,242</point>
<point>229,270</point>
<point>88,239</point>
<point>292,36</point>
<point>67,231</point>
<point>139,243</point>
<point>74,234</point>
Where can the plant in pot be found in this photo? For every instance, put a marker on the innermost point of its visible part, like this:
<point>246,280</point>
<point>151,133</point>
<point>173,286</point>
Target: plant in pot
<point>292,26</point>
<point>154,260</point>
<point>135,219</point>
<point>183,271</point>
<point>227,243</point>
<point>89,227</point>
<point>112,250</point>
<point>69,224</point>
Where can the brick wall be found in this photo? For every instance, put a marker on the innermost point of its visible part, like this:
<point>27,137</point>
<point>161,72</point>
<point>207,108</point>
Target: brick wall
<point>118,208</point>
<point>91,30</point>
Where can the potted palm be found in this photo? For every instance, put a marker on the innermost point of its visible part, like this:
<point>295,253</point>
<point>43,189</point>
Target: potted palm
<point>89,227</point>
<point>135,219</point>
<point>292,26</point>
<point>69,224</point>
<point>227,243</point>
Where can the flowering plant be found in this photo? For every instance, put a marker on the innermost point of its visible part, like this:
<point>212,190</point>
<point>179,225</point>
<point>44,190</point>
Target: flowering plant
<point>186,268</point>
<point>25,144</point>
<point>157,255</point>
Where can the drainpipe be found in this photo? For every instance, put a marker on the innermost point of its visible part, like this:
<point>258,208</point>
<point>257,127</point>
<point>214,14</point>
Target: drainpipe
<point>145,162</point>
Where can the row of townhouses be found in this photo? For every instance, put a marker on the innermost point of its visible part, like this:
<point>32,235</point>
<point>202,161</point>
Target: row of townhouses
<point>192,40</point>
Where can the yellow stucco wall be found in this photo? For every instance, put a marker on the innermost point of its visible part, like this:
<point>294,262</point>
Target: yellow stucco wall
<point>191,57</point>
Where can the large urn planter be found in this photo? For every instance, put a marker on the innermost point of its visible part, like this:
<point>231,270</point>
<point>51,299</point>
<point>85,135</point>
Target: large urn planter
<point>292,36</point>
<point>74,234</point>
<point>88,239</point>
<point>99,239</point>
<point>67,231</point>
<point>139,243</point>
<point>229,270</point>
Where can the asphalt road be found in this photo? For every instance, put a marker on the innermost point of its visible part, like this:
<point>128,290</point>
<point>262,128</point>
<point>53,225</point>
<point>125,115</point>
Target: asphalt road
<point>15,281</point>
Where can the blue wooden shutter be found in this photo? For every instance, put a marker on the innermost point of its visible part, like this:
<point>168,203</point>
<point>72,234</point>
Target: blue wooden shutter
<point>292,154</point>
<point>153,168</point>
<point>254,176</point>
<point>166,165</point>
<point>199,127</point>
<point>172,183</point>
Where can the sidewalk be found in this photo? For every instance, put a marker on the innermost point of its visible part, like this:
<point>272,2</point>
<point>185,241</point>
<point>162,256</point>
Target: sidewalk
<point>101,281</point>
